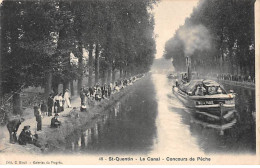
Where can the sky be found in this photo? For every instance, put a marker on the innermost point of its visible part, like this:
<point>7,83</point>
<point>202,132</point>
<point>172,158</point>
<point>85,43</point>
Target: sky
<point>169,15</point>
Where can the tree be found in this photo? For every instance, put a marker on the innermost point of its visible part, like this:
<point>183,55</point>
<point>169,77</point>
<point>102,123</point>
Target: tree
<point>38,37</point>
<point>231,37</point>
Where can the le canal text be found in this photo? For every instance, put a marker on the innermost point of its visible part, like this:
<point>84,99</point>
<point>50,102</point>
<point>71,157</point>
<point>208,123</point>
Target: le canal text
<point>154,159</point>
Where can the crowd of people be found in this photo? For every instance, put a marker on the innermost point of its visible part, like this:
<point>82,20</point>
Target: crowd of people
<point>56,104</point>
<point>99,92</point>
<point>223,76</point>
<point>238,78</point>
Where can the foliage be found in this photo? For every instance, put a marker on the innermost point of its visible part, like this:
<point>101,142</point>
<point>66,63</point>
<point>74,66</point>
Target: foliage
<point>37,38</point>
<point>227,45</point>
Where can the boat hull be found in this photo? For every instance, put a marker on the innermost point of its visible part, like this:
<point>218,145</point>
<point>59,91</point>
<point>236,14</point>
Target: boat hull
<point>218,114</point>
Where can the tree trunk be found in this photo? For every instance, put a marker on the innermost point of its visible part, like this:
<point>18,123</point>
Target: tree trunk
<point>1,54</point>
<point>72,88</point>
<point>121,73</point>
<point>83,143</point>
<point>65,86</point>
<point>47,87</point>
<point>78,19</point>
<point>103,77</point>
<point>109,72</point>
<point>125,73</point>
<point>80,70</point>
<point>79,84</point>
<point>96,64</point>
<point>113,75</point>
<point>1,90</point>
<point>55,88</point>
<point>17,104</point>
<point>90,65</point>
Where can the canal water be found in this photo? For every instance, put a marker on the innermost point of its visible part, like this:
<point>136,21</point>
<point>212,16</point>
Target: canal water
<point>151,120</point>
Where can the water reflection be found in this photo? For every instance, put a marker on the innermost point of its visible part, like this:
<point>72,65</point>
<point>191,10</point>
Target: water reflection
<point>127,127</point>
<point>174,137</point>
<point>152,120</point>
<point>238,139</point>
<point>116,108</point>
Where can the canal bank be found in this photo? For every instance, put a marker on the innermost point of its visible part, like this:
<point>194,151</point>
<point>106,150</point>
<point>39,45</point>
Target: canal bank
<point>151,120</point>
<point>54,140</point>
<point>128,127</point>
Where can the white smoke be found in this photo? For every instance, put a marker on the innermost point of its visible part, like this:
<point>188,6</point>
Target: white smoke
<point>195,38</point>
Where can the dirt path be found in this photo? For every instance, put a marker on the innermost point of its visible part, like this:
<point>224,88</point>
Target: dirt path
<point>5,146</point>
<point>53,139</point>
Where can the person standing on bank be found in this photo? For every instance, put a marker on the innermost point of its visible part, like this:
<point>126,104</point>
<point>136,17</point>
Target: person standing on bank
<point>67,98</point>
<point>50,105</point>
<point>38,116</point>
<point>36,109</point>
<point>56,103</point>
<point>176,82</point>
<point>12,127</point>
<point>60,99</point>
<point>82,95</point>
<point>44,108</point>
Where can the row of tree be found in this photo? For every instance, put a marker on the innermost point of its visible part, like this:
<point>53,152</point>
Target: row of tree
<point>219,37</point>
<point>38,37</point>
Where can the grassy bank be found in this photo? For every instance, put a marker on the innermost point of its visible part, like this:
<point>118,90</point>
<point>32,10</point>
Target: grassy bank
<point>74,122</point>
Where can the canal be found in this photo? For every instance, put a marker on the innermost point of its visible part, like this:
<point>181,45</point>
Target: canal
<point>151,120</point>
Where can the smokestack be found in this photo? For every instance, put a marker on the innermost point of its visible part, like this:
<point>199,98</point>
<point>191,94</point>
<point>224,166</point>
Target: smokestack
<point>188,65</point>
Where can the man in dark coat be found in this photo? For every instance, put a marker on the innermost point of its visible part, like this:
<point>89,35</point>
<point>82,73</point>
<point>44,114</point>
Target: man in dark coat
<point>50,105</point>
<point>104,90</point>
<point>36,109</point>
<point>86,92</point>
<point>25,136</point>
<point>39,121</point>
<point>109,90</point>
<point>44,108</point>
<point>82,95</point>
<point>55,123</point>
<point>91,91</point>
<point>38,116</point>
<point>12,127</point>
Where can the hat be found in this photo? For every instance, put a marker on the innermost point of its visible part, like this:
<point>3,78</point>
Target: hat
<point>56,114</point>
<point>83,106</point>
<point>27,127</point>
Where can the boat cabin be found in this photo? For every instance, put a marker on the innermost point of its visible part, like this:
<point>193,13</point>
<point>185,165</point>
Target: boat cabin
<point>201,87</point>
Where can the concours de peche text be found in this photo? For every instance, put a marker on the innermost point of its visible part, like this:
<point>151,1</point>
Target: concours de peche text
<point>155,159</point>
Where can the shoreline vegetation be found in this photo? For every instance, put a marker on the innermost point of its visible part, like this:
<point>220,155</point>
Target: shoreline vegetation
<point>215,43</point>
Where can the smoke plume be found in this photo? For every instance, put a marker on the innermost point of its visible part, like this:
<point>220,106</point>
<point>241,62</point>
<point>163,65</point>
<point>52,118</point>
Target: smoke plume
<point>194,38</point>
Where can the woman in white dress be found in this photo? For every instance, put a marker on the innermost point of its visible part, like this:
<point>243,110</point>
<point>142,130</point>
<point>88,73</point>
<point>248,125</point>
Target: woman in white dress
<point>67,98</point>
<point>60,103</point>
